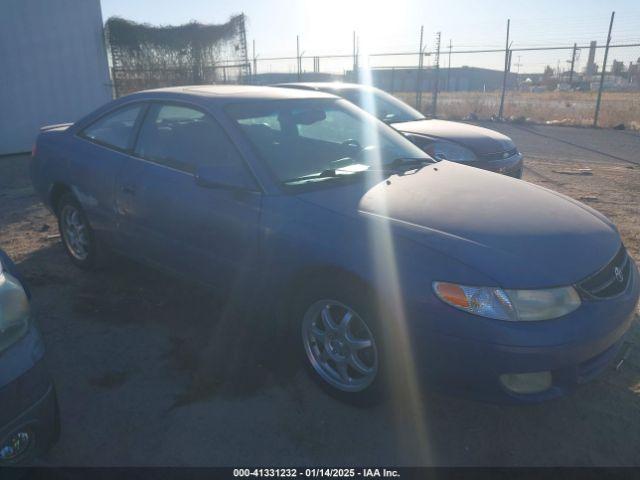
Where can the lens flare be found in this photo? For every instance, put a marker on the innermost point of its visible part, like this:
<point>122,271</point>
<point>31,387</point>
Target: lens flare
<point>406,400</point>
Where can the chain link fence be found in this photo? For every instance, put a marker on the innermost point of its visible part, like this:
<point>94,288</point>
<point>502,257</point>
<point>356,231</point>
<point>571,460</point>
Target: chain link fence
<point>556,84</point>
<point>559,82</point>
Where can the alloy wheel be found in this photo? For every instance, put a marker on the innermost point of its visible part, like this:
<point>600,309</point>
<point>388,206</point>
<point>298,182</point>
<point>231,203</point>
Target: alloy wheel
<point>340,345</point>
<point>74,232</point>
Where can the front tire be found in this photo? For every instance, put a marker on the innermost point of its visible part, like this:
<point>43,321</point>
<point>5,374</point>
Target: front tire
<point>336,327</point>
<point>76,234</point>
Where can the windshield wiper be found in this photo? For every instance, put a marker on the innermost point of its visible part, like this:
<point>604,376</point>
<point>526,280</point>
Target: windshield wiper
<point>401,162</point>
<point>324,174</point>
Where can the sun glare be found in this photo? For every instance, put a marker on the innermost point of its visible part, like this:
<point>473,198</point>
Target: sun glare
<point>406,399</point>
<point>368,18</point>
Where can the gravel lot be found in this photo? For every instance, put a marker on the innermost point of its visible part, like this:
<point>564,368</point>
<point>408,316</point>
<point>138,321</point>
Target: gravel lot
<point>126,346</point>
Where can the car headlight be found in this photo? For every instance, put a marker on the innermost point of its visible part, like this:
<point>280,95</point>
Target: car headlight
<point>443,150</point>
<point>511,305</point>
<point>14,310</point>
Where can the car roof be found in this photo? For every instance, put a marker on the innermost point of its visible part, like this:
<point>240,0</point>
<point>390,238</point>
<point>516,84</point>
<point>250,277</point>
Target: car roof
<point>324,86</point>
<point>226,93</point>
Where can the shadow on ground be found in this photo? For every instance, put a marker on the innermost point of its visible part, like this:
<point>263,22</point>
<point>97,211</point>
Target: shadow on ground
<point>211,355</point>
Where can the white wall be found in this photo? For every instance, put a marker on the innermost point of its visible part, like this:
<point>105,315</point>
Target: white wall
<point>53,66</point>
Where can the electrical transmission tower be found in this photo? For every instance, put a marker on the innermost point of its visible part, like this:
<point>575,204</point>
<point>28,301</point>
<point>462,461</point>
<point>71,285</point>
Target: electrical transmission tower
<point>436,69</point>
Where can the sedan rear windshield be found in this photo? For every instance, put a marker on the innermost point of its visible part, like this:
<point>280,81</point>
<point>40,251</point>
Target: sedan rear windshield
<point>318,139</point>
<point>379,103</point>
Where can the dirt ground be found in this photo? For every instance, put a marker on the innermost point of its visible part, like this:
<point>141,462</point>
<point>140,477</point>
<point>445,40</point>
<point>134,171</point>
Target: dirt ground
<point>124,346</point>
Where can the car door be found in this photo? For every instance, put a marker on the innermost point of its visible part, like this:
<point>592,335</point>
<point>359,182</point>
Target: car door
<point>207,233</point>
<point>101,151</point>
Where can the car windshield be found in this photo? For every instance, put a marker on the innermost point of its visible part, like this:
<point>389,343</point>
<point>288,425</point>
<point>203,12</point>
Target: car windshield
<point>379,103</point>
<point>310,140</point>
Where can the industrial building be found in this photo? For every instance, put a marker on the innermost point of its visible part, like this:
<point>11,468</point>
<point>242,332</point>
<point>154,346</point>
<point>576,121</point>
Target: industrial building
<point>459,79</point>
<point>50,73</point>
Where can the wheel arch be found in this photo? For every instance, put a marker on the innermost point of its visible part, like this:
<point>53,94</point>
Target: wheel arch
<point>56,192</point>
<point>299,279</point>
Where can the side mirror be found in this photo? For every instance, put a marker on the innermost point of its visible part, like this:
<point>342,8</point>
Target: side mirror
<point>229,176</point>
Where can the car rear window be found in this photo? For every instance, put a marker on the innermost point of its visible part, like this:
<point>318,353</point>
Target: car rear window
<point>115,129</point>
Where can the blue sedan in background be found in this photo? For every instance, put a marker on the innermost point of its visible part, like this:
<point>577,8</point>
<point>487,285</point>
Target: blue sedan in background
<point>29,419</point>
<point>388,268</point>
<point>444,140</point>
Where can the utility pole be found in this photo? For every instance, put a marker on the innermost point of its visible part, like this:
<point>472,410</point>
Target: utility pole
<point>419,75</point>
<point>449,65</point>
<point>506,69</point>
<point>434,102</point>
<point>518,65</point>
<point>298,56</point>
<point>573,64</point>
<point>604,68</point>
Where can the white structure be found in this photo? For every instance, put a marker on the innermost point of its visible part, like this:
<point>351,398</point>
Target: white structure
<point>53,66</point>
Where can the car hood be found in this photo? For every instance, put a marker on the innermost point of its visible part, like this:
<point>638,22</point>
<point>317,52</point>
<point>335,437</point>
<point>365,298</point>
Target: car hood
<point>519,234</point>
<point>480,140</point>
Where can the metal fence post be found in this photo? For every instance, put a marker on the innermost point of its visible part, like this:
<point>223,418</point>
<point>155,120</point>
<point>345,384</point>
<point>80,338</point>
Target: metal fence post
<point>298,56</point>
<point>449,64</point>
<point>393,75</point>
<point>255,63</point>
<point>355,58</point>
<point>506,68</point>
<point>573,64</point>
<point>116,93</point>
<point>604,68</point>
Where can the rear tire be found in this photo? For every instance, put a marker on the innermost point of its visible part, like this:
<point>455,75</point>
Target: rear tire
<point>336,332</point>
<point>76,234</point>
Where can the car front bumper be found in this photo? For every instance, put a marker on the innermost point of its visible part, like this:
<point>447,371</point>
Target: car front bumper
<point>574,349</point>
<point>511,166</point>
<point>28,401</point>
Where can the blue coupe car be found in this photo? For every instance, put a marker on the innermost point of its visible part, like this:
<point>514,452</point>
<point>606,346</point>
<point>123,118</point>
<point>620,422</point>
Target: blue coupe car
<point>386,266</point>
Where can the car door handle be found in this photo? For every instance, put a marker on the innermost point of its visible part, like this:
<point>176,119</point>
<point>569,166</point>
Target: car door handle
<point>128,189</point>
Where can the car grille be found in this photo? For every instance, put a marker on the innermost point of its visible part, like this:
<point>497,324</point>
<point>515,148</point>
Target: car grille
<point>499,155</point>
<point>610,280</point>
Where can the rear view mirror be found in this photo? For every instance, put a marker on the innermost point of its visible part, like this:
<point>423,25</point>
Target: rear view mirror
<point>229,176</point>
<point>308,117</point>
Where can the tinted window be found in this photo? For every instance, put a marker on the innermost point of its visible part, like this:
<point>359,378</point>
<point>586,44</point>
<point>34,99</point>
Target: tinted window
<point>115,129</point>
<point>269,121</point>
<point>183,138</point>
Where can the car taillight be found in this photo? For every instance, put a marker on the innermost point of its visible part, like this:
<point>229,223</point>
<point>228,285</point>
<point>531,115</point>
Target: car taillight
<point>34,150</point>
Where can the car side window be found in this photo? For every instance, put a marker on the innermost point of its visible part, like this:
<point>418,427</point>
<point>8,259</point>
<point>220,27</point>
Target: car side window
<point>115,129</point>
<point>183,138</point>
<point>271,121</point>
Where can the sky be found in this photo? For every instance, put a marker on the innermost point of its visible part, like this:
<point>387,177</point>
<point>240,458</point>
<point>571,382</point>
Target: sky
<point>326,27</point>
